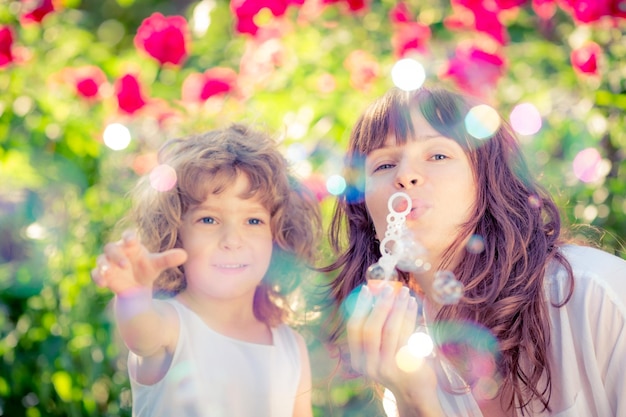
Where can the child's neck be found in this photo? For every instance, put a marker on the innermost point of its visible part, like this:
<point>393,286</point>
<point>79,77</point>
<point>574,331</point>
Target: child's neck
<point>234,319</point>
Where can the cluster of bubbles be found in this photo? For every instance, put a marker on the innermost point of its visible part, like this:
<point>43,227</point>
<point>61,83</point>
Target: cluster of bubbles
<point>400,249</point>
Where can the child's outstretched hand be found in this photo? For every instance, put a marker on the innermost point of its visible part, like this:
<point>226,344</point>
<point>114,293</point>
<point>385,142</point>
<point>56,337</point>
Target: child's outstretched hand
<point>127,265</point>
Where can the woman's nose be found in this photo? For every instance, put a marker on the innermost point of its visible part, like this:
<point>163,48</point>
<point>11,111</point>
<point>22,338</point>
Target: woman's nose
<point>407,176</point>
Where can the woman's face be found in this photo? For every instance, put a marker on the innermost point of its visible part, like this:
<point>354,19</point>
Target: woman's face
<point>436,174</point>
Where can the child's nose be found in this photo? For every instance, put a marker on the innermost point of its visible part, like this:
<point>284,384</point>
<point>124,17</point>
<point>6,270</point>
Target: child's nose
<point>231,238</point>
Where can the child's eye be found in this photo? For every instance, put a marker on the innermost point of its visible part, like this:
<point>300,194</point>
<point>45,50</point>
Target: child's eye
<point>255,221</point>
<point>207,220</point>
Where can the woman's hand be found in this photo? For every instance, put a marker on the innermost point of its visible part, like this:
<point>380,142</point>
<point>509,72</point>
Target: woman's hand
<point>127,265</point>
<point>378,329</point>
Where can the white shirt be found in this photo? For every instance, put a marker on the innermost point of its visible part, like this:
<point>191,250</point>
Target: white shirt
<point>588,341</point>
<point>212,375</point>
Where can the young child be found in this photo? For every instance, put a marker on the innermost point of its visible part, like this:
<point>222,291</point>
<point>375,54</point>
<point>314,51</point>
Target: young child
<point>222,250</point>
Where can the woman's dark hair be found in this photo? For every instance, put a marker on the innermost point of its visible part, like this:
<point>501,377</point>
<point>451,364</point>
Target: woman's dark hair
<point>517,219</point>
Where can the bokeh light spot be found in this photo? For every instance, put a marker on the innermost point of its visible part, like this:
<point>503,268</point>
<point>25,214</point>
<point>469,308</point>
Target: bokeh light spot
<point>485,389</point>
<point>389,404</point>
<point>408,74</point>
<point>482,121</point>
<point>336,184</point>
<point>534,201</point>
<point>420,344</point>
<point>116,136</point>
<point>475,244</point>
<point>525,119</point>
<point>587,165</point>
<point>407,361</point>
<point>163,178</point>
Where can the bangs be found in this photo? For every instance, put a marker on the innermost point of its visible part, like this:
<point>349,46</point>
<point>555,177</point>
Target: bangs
<point>198,183</point>
<point>388,116</point>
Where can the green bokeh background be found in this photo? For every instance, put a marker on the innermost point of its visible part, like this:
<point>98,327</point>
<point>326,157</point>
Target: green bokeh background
<point>62,190</point>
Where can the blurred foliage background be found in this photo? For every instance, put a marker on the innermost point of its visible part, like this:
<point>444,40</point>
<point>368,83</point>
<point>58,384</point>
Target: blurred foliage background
<point>90,89</point>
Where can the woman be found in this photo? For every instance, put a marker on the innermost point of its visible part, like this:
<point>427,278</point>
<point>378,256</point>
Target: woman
<point>541,327</point>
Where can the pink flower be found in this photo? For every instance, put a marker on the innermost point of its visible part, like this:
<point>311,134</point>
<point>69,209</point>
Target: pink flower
<point>246,10</point>
<point>545,9</point>
<point>37,14</point>
<point>214,82</point>
<point>399,13</point>
<point>316,183</point>
<point>585,59</point>
<point>475,71</point>
<point>409,36</point>
<point>6,46</point>
<point>129,95</point>
<point>363,68</point>
<point>86,80</point>
<point>163,38</point>
<point>485,19</point>
<point>258,63</point>
<point>587,11</point>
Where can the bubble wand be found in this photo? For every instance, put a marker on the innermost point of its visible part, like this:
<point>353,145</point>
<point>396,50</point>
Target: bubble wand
<point>399,249</point>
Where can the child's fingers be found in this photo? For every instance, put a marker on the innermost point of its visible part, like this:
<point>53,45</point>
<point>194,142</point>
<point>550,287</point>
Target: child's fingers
<point>168,259</point>
<point>129,237</point>
<point>98,274</point>
<point>115,254</point>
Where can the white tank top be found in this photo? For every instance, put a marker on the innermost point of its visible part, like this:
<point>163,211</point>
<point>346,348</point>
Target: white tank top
<point>212,375</point>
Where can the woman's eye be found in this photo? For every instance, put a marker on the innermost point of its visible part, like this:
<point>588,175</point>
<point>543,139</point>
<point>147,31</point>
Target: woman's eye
<point>439,157</point>
<point>383,167</point>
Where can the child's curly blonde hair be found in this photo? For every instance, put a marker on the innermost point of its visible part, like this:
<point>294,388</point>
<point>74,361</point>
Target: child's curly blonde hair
<point>207,164</point>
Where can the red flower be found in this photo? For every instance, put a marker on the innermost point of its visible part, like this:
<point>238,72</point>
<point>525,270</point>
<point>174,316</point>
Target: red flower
<point>481,18</point>
<point>353,5</point>
<point>475,71</point>
<point>246,10</point>
<point>510,4</point>
<point>6,46</point>
<point>129,95</point>
<point>37,14</point>
<point>216,81</point>
<point>585,59</point>
<point>86,80</point>
<point>587,11</point>
<point>618,8</point>
<point>163,38</point>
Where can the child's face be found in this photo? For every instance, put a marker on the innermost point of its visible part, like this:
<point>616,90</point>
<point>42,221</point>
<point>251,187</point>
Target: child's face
<point>228,240</point>
<point>435,172</point>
